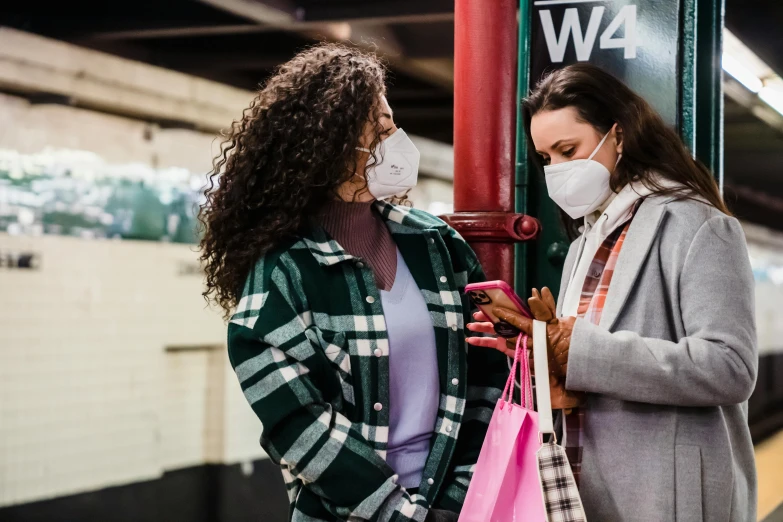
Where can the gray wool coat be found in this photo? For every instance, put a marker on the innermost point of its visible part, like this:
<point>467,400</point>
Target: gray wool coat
<point>668,372</point>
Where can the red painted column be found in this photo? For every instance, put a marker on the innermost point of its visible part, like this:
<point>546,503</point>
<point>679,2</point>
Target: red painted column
<point>485,70</point>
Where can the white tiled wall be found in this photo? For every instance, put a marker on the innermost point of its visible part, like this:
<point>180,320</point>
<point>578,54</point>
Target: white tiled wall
<point>89,397</point>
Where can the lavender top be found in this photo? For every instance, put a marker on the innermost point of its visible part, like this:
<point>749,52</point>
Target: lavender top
<point>413,377</point>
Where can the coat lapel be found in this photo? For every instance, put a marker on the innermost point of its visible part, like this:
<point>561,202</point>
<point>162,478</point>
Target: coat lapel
<point>568,265</point>
<point>637,245</point>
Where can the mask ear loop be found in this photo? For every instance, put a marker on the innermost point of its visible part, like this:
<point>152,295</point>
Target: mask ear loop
<point>402,199</point>
<point>601,144</point>
<point>620,155</point>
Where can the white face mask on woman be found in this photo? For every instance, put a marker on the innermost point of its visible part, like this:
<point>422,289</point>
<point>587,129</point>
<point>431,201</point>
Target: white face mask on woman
<point>398,170</point>
<point>579,186</point>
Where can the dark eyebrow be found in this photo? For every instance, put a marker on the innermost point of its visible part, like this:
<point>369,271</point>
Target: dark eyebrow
<point>560,142</point>
<point>555,145</point>
<point>386,114</point>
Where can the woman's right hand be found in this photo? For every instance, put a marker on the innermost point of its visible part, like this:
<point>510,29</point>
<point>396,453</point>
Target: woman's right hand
<point>560,397</point>
<point>542,306</point>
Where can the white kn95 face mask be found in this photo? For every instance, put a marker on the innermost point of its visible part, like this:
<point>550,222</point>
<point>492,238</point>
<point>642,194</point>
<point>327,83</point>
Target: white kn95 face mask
<point>397,170</point>
<point>579,186</point>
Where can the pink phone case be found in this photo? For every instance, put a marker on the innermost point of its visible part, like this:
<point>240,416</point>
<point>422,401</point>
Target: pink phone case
<point>499,293</point>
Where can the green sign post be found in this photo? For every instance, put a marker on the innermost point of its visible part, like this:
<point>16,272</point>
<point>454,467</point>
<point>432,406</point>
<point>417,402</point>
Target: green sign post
<point>669,51</point>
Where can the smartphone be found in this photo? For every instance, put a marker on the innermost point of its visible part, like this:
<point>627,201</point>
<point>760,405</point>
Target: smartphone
<point>498,293</point>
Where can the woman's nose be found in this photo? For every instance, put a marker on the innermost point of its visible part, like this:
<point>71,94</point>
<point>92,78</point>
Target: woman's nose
<point>392,130</point>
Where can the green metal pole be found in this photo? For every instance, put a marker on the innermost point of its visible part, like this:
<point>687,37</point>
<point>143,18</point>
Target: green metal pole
<point>521,165</point>
<point>701,100</point>
<point>709,78</point>
<point>687,122</point>
<point>538,263</point>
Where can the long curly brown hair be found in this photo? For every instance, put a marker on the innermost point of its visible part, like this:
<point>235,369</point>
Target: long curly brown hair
<point>285,158</point>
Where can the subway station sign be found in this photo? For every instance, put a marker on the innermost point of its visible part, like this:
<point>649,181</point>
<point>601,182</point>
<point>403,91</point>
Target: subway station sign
<point>636,40</point>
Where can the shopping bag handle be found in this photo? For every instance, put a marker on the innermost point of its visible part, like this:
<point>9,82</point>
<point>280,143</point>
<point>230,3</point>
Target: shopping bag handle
<point>541,365</point>
<point>520,358</point>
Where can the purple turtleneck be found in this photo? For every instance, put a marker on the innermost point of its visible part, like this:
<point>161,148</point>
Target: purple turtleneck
<point>361,231</point>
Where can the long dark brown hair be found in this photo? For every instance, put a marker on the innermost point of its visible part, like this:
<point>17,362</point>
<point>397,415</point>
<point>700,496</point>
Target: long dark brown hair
<point>282,161</point>
<point>651,149</point>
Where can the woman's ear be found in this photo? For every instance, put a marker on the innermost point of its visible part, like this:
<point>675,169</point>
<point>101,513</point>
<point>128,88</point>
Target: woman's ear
<point>618,138</point>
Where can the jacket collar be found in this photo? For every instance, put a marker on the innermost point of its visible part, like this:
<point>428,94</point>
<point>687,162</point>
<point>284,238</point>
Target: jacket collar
<point>641,235</point>
<point>618,210</point>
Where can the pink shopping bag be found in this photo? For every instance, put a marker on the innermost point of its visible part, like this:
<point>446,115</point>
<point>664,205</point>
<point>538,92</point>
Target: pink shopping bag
<point>505,485</point>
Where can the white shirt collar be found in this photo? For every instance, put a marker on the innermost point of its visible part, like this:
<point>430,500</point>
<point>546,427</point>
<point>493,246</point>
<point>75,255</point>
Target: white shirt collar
<point>617,209</point>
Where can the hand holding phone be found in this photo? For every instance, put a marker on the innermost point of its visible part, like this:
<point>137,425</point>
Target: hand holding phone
<point>497,293</point>
<point>489,294</point>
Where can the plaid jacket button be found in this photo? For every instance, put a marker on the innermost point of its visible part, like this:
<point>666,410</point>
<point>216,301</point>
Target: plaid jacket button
<point>455,381</point>
<point>432,241</point>
<point>378,352</point>
<point>378,406</point>
<point>370,299</point>
<point>359,265</point>
<point>443,279</point>
<point>448,429</point>
<point>454,327</point>
<point>430,481</point>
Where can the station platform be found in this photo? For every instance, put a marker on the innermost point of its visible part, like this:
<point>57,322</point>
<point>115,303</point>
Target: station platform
<point>769,464</point>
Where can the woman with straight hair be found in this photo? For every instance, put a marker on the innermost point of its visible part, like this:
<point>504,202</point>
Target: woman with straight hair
<point>652,339</point>
<point>346,311</point>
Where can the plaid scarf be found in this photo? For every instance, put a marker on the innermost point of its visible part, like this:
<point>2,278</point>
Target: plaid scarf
<point>591,306</point>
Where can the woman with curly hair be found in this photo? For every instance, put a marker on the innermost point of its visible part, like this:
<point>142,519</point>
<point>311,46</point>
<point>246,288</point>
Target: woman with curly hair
<point>346,312</point>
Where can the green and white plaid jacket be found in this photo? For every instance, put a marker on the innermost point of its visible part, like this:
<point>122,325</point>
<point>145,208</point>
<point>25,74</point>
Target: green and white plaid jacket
<point>309,346</point>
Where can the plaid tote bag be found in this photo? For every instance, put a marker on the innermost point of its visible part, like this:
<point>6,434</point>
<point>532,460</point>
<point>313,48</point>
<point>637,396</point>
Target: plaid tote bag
<point>558,487</point>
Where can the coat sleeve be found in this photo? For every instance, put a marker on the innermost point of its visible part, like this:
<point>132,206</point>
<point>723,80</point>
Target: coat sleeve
<point>714,364</point>
<point>279,368</point>
<point>487,374</point>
